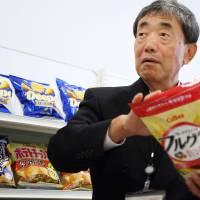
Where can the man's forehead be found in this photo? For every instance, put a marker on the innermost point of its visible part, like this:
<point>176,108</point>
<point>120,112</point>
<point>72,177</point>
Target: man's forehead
<point>162,17</point>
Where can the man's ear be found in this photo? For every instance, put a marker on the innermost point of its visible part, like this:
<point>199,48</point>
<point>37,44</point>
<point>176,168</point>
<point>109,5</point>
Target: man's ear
<point>190,52</point>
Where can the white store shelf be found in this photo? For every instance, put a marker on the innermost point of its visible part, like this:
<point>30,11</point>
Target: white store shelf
<point>44,194</point>
<point>30,129</point>
<point>45,124</point>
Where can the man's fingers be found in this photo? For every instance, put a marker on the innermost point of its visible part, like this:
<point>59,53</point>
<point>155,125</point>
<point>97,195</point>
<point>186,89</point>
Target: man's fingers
<point>139,97</point>
<point>196,179</point>
<point>193,183</point>
<point>152,94</point>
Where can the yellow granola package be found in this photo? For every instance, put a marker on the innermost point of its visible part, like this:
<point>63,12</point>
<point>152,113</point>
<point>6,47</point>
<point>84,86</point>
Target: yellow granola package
<point>173,118</point>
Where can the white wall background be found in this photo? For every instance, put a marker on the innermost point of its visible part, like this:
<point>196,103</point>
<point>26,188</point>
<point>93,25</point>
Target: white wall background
<point>91,34</point>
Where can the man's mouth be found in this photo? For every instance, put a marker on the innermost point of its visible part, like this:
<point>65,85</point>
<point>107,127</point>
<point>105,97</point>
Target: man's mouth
<point>150,60</point>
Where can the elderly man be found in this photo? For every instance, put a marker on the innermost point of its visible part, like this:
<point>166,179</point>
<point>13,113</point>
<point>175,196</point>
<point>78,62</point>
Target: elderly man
<point>111,140</point>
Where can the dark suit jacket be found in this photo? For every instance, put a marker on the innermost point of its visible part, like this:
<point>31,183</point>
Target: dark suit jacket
<point>79,146</point>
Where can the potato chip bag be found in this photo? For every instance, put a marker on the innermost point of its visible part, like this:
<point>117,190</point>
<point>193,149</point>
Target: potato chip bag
<point>6,173</point>
<point>173,118</point>
<point>74,181</point>
<point>38,99</point>
<point>9,103</point>
<point>32,167</point>
<point>71,96</point>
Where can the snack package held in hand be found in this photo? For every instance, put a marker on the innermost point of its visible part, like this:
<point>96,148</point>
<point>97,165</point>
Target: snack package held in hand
<point>32,167</point>
<point>173,118</point>
<point>76,181</point>
<point>71,96</point>
<point>6,173</point>
<point>9,103</point>
<point>38,99</point>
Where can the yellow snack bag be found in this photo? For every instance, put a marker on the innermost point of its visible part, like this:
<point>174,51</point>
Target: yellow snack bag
<point>173,118</point>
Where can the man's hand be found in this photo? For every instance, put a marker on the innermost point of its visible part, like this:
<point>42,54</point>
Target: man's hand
<point>193,182</point>
<point>124,126</point>
<point>133,125</point>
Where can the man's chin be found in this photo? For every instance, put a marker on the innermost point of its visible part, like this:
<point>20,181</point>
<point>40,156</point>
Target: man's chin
<point>148,76</point>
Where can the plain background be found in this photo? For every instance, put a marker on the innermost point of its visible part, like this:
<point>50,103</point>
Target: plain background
<point>84,42</point>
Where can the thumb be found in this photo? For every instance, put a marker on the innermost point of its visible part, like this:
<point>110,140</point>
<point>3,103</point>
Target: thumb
<point>137,98</point>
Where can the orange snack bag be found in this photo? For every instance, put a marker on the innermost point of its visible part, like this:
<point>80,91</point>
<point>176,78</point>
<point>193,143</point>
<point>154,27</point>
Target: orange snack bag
<point>173,118</point>
<point>80,180</point>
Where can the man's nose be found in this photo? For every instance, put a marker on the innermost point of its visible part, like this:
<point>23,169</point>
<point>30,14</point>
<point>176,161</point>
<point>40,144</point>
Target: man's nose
<point>151,44</point>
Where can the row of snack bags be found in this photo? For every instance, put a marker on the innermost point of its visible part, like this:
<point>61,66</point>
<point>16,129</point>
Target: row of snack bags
<point>27,166</point>
<point>21,96</point>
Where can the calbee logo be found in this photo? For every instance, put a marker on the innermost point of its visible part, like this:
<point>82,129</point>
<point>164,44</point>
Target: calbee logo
<point>174,117</point>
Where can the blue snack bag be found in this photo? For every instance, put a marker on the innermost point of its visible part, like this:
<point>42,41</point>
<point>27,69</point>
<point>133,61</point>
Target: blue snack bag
<point>9,103</point>
<point>5,94</point>
<point>6,173</point>
<point>38,99</point>
<point>71,96</point>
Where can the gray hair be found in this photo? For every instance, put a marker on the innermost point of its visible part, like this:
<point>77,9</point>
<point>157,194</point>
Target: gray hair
<point>172,8</point>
